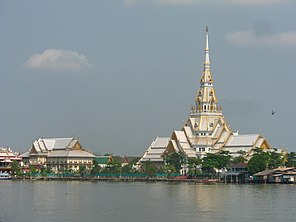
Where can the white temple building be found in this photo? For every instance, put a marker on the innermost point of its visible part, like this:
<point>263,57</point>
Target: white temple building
<point>7,156</point>
<point>58,154</point>
<point>155,151</point>
<point>206,129</point>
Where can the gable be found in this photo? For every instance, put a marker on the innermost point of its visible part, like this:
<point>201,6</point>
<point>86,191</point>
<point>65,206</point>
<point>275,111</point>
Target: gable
<point>171,148</point>
<point>265,145</point>
<point>33,149</point>
<point>77,146</point>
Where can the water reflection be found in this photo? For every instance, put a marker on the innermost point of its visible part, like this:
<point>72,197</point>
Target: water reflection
<point>134,202</point>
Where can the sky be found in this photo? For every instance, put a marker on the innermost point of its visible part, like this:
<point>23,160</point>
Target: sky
<point>118,73</point>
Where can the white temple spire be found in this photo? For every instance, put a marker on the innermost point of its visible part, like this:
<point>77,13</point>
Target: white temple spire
<point>206,100</point>
<point>207,51</point>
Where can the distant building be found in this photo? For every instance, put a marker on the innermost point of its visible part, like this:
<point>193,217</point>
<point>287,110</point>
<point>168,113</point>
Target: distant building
<point>155,151</point>
<point>103,161</point>
<point>59,154</point>
<point>125,160</point>
<point>278,175</point>
<point>206,129</point>
<point>7,156</point>
<point>237,173</point>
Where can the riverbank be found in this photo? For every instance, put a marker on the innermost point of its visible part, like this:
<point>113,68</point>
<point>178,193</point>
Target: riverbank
<point>120,179</point>
<point>141,179</point>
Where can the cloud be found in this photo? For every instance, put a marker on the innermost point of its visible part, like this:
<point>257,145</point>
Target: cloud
<point>55,59</point>
<point>192,2</point>
<point>284,39</point>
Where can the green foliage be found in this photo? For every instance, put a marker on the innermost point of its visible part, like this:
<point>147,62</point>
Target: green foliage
<point>239,159</point>
<point>82,170</point>
<point>33,170</point>
<point>214,161</point>
<point>169,169</point>
<point>262,160</point>
<point>96,168</point>
<point>112,167</point>
<point>276,159</point>
<point>176,159</point>
<point>149,168</point>
<point>291,159</point>
<point>209,163</point>
<point>258,162</point>
<point>15,168</point>
<point>48,170</point>
<point>193,164</point>
<point>43,172</point>
<point>127,169</point>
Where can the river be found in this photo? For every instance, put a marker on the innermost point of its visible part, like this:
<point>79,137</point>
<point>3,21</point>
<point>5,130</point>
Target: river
<point>44,201</point>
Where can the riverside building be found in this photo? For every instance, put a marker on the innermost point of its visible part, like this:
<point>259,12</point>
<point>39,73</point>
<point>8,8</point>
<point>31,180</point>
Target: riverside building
<point>58,154</point>
<point>7,157</point>
<point>206,129</point>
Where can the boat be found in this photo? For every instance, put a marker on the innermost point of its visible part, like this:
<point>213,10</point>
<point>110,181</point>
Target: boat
<point>5,176</point>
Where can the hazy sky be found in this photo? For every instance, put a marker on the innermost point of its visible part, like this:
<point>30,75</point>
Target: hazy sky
<point>117,73</point>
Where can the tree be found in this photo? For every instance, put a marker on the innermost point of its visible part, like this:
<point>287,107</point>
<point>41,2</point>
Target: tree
<point>290,159</point>
<point>193,164</point>
<point>33,170</point>
<point>82,170</point>
<point>276,159</point>
<point>259,161</point>
<point>43,171</point>
<point>129,168</point>
<point>176,159</point>
<point>215,161</point>
<point>239,159</point>
<point>15,168</point>
<point>113,167</point>
<point>149,168</point>
<point>169,169</point>
<point>96,168</point>
<point>262,160</point>
<point>209,163</point>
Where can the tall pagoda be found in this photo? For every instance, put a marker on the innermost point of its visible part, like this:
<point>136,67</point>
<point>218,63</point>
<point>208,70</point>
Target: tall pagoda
<point>206,129</point>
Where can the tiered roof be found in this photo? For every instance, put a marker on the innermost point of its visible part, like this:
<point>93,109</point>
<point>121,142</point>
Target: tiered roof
<point>206,129</point>
<point>57,147</point>
<point>155,151</point>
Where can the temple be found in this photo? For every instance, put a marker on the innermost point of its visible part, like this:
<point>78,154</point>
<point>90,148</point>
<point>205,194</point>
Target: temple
<point>58,154</point>
<point>206,129</point>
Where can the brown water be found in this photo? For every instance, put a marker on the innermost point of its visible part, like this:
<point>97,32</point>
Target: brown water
<point>140,202</point>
